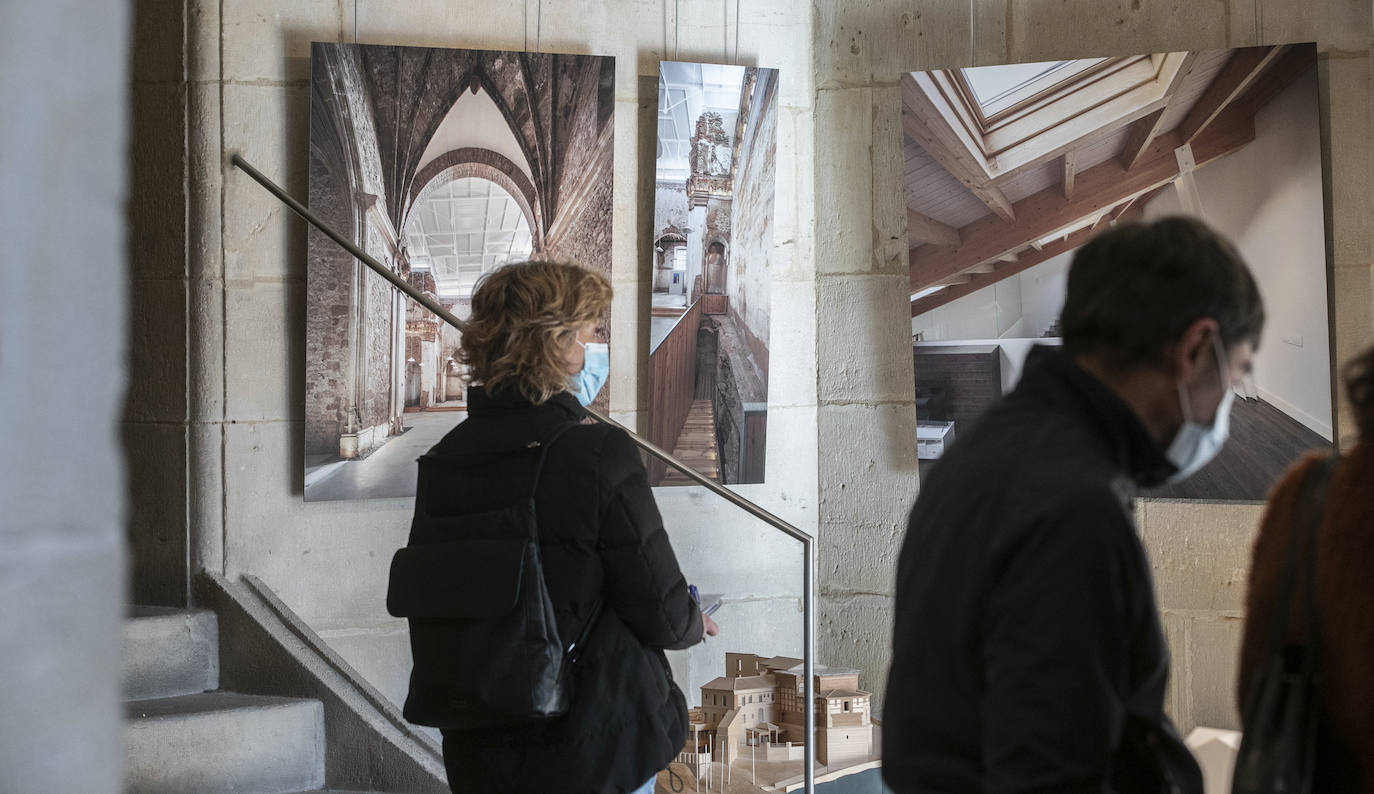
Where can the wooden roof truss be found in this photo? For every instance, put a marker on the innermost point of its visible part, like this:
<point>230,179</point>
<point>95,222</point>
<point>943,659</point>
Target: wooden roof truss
<point>1133,98</point>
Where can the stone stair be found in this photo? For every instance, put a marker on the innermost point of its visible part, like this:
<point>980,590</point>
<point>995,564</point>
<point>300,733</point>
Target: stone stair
<point>181,734</point>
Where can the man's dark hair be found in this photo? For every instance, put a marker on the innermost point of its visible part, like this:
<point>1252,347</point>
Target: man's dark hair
<point>1135,289</point>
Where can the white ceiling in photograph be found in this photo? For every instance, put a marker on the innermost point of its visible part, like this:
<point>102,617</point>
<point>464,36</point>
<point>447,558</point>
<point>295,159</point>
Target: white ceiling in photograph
<point>464,229</point>
<point>475,121</point>
<point>685,91</point>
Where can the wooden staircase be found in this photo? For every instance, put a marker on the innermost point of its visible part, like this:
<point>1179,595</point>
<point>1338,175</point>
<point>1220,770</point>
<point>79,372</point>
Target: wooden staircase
<point>696,445</point>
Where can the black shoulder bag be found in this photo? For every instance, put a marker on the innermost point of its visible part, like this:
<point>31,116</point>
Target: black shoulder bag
<point>1283,707</point>
<point>483,637</point>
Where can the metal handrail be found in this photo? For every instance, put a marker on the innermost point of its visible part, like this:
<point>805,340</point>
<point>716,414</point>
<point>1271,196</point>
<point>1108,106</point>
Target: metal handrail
<point>808,543</point>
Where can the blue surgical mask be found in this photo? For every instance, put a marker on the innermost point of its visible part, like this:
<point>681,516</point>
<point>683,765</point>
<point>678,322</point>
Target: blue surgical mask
<point>1195,445</point>
<point>596,366</point>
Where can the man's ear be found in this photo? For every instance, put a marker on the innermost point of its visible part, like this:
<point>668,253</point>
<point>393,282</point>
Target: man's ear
<point>1193,352</point>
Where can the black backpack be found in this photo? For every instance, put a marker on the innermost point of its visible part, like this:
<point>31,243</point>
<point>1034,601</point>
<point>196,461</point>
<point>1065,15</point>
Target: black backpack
<point>483,638</point>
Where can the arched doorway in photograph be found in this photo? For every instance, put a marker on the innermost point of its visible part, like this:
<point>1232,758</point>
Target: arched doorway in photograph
<point>670,263</point>
<point>465,223</point>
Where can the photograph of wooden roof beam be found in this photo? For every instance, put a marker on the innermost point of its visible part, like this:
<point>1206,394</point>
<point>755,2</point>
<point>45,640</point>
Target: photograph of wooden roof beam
<point>994,170</point>
<point>1011,168</point>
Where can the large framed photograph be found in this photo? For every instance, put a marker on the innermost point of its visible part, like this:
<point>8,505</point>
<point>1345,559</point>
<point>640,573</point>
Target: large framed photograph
<point>1010,168</point>
<point>443,164</point>
<point>713,240</point>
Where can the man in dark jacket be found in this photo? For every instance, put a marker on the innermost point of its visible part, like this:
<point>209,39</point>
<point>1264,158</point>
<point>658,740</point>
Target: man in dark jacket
<point>1028,654</point>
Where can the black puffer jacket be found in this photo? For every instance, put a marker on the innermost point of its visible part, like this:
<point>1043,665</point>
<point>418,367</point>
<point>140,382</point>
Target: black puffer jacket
<point>601,537</point>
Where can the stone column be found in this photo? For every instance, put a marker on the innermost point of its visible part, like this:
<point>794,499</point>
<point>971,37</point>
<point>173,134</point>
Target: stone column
<point>866,401</point>
<point>63,72</point>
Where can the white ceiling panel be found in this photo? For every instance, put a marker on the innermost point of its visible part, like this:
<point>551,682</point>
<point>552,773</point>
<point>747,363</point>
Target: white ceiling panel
<point>1205,69</point>
<point>464,229</point>
<point>931,191</point>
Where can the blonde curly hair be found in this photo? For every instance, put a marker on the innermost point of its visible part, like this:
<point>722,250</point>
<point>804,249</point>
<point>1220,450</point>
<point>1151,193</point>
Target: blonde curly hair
<point>523,324</point>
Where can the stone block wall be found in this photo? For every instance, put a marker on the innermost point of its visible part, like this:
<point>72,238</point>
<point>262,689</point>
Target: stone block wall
<point>670,206</point>
<point>378,338</point>
<point>1200,555</point>
<point>751,220</point>
<point>582,233</point>
<point>328,309</point>
<point>841,457</point>
<point>581,227</point>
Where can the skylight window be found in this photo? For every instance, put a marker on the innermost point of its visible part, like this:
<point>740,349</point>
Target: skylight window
<point>685,91</point>
<point>998,87</point>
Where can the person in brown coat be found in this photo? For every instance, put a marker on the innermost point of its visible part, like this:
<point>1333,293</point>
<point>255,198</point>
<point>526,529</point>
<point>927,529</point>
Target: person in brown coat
<point>1344,596</point>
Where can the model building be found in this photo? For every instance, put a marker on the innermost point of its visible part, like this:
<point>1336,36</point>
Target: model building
<point>759,702</point>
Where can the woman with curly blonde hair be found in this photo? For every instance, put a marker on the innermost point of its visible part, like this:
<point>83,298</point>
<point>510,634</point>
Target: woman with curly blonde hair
<point>533,360</point>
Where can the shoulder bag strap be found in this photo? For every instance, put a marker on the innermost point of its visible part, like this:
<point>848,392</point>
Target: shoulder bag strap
<point>1314,511</point>
<point>543,447</point>
<point>1307,516</point>
<point>574,649</point>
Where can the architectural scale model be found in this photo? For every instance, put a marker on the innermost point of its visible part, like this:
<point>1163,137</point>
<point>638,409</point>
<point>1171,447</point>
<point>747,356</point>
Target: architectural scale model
<point>754,713</point>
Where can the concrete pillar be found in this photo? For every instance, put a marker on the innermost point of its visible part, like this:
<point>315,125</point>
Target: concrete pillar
<point>63,71</point>
<point>866,401</point>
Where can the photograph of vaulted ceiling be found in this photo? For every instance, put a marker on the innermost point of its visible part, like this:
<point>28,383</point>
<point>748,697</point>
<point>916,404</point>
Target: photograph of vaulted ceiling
<point>1009,166</point>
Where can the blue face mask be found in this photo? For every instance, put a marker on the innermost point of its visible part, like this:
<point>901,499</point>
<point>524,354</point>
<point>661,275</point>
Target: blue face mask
<point>1195,445</point>
<point>596,366</point>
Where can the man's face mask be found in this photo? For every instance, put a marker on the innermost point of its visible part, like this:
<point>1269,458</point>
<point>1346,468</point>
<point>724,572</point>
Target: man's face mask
<point>1194,445</point>
<point>596,366</point>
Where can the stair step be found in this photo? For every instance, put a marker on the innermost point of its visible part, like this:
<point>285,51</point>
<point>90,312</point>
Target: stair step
<point>169,652</point>
<point>223,742</point>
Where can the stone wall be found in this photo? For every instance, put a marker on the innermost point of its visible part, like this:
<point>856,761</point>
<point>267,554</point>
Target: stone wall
<point>735,380</point>
<point>221,467</point>
<point>751,220</point>
<point>715,231</point>
<point>581,232</point>
<point>1200,555</point>
<point>349,310</point>
<point>670,212</point>
<point>581,227</point>
<point>328,317</point>
<point>378,338</point>
<point>670,206</point>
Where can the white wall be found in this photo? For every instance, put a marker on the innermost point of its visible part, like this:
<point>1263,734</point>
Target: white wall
<point>1024,305</point>
<point>1043,289</point>
<point>1268,199</point>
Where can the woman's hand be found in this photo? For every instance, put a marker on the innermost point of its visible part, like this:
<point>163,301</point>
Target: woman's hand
<point>708,626</point>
